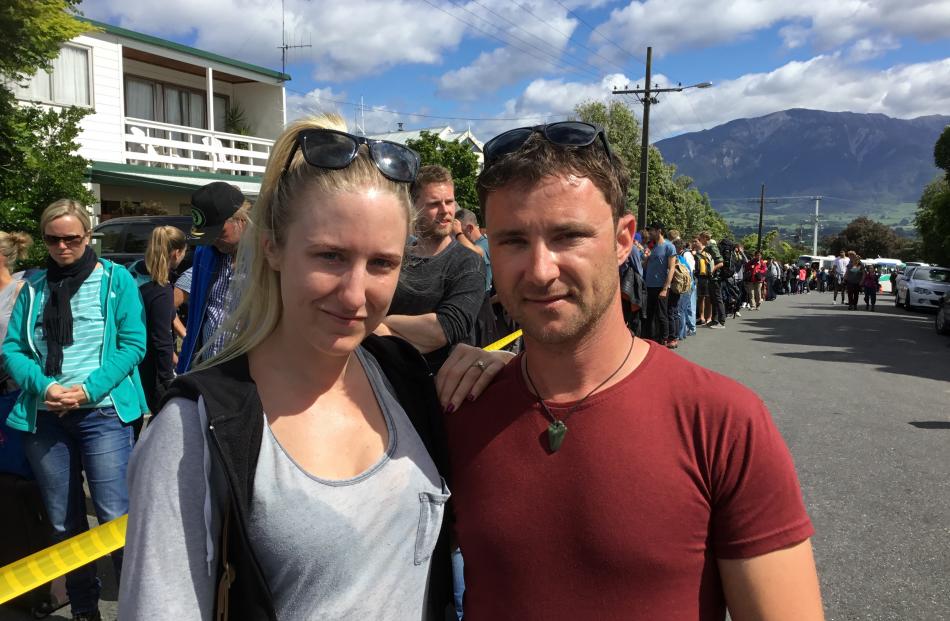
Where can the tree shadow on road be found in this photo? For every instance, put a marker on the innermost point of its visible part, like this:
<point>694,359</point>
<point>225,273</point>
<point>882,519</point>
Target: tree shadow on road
<point>930,424</point>
<point>891,339</point>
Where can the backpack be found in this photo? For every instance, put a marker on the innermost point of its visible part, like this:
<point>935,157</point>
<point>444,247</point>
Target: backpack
<point>633,290</point>
<point>727,248</point>
<point>682,280</point>
<point>702,264</point>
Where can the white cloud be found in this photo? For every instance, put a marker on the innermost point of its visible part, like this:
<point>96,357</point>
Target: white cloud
<point>534,38</point>
<point>317,101</point>
<point>670,25</point>
<point>872,47</point>
<point>825,82</point>
<point>347,41</point>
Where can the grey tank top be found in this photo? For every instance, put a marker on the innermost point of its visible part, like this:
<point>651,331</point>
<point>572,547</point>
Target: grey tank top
<point>350,549</point>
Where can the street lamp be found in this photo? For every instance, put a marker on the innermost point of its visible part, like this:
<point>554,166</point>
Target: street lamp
<point>647,98</point>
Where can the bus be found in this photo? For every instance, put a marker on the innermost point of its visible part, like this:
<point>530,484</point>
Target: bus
<point>807,260</point>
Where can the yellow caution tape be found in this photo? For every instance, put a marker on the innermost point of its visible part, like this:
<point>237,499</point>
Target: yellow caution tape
<point>503,342</point>
<point>37,569</point>
<point>46,565</point>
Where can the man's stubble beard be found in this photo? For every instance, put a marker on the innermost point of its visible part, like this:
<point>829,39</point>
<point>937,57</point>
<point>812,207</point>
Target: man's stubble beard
<point>584,322</point>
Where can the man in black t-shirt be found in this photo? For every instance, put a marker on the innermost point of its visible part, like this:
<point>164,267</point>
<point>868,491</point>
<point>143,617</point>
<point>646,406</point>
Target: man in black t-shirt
<point>442,285</point>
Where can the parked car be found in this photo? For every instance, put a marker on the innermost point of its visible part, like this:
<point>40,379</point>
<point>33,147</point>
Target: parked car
<point>942,321</point>
<point>922,286</point>
<point>123,240</point>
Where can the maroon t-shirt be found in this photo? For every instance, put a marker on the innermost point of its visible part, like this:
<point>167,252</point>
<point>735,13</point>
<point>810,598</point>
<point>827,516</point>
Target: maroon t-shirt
<point>658,476</point>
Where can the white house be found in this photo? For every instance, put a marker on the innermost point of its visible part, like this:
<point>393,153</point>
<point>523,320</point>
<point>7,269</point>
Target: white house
<point>445,133</point>
<point>165,118</point>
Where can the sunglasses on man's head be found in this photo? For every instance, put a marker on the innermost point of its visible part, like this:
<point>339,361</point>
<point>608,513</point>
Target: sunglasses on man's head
<point>562,133</point>
<point>328,148</point>
<point>71,241</point>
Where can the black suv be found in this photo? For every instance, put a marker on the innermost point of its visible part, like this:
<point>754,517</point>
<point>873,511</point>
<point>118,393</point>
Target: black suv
<point>123,240</point>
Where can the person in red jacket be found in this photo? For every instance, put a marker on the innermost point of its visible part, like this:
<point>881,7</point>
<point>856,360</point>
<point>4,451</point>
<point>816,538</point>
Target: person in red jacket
<point>755,271</point>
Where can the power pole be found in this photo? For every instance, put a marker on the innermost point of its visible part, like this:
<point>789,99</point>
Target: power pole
<point>647,97</point>
<point>762,201</point>
<point>814,241</point>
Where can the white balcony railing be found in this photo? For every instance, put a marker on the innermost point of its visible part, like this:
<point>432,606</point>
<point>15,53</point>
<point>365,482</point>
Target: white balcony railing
<point>176,147</point>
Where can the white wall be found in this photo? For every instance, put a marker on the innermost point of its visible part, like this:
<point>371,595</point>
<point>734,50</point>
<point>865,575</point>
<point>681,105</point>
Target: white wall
<point>101,136</point>
<point>263,105</point>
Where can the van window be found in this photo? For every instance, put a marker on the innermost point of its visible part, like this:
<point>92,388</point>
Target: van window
<point>111,235</point>
<point>136,239</point>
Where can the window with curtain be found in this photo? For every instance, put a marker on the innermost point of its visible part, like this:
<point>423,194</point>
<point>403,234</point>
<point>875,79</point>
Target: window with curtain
<point>67,82</point>
<point>140,99</point>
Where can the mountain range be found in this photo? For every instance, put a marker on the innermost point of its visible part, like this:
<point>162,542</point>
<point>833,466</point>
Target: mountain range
<point>865,164</point>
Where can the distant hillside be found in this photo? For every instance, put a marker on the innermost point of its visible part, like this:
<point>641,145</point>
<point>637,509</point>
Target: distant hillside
<point>880,162</point>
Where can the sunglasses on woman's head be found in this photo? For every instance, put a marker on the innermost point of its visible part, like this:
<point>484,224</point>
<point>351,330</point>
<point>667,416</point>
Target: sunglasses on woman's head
<point>563,133</point>
<point>335,150</point>
<point>71,241</point>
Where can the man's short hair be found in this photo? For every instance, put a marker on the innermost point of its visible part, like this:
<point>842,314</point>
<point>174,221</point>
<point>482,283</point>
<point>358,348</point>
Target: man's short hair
<point>704,236</point>
<point>538,158</point>
<point>466,216</point>
<point>432,173</point>
<point>680,244</point>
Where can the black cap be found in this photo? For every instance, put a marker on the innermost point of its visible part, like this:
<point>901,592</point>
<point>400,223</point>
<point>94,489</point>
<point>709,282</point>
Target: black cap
<point>211,206</point>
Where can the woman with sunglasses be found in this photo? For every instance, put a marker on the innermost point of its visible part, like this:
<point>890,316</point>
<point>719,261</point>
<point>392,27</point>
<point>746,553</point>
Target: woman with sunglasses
<point>297,474</point>
<point>75,339</point>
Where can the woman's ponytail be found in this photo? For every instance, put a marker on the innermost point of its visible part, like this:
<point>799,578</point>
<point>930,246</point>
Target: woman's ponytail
<point>164,240</point>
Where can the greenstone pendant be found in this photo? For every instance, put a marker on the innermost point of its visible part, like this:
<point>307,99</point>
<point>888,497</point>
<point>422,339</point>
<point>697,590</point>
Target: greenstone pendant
<point>556,432</point>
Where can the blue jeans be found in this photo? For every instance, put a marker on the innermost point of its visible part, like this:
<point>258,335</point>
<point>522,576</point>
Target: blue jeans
<point>687,313</point>
<point>95,442</point>
<point>458,580</point>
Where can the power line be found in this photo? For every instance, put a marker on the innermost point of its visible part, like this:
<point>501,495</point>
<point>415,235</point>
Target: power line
<point>557,61</point>
<point>594,31</point>
<point>580,62</point>
<point>566,36</point>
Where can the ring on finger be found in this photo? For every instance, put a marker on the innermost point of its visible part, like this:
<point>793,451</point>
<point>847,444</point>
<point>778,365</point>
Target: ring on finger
<point>480,364</point>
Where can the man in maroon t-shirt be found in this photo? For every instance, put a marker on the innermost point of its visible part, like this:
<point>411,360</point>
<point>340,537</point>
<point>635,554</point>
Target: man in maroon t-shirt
<point>599,476</point>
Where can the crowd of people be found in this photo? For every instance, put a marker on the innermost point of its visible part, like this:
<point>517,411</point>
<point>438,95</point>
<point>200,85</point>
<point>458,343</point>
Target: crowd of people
<point>326,437</point>
<point>699,282</point>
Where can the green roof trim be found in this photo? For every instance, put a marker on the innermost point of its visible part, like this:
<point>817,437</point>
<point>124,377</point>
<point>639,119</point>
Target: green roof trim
<point>145,176</point>
<point>187,49</point>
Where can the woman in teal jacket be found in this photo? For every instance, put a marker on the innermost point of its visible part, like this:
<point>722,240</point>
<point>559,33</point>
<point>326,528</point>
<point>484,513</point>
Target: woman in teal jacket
<point>73,345</point>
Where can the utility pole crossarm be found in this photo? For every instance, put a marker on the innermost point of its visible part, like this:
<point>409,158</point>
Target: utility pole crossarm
<point>649,97</point>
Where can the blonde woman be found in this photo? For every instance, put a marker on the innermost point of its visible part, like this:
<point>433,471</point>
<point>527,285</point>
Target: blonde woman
<point>75,339</point>
<point>166,248</point>
<point>297,474</point>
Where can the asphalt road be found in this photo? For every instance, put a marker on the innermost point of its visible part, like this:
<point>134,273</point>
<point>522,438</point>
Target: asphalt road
<point>863,400</point>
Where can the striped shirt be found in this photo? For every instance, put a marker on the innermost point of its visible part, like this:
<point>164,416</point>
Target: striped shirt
<point>218,309</point>
<point>85,354</point>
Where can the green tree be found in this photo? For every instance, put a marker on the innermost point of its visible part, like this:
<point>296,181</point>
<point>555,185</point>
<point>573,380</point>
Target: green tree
<point>455,156</point>
<point>942,152</point>
<point>671,199</point>
<point>933,222</point>
<point>868,238</point>
<point>37,146</point>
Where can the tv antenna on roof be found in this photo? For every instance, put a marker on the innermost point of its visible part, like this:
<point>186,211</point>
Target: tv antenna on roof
<point>284,46</point>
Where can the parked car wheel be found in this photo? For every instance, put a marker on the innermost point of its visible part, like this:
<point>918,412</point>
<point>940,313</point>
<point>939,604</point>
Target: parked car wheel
<point>907,303</point>
<point>942,322</point>
<point>897,299</point>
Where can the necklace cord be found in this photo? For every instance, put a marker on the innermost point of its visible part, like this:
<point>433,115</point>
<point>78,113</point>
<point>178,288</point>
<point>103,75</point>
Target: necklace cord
<point>576,406</point>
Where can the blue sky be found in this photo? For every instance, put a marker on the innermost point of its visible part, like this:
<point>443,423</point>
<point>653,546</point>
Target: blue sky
<point>495,64</point>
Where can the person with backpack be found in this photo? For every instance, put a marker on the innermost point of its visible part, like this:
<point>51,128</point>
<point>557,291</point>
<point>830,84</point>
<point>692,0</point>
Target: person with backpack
<point>689,305</point>
<point>680,288</point>
<point>715,281</point>
<point>755,271</point>
<point>659,276</point>
<point>633,291</point>
<point>703,272</point>
<point>773,276</point>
